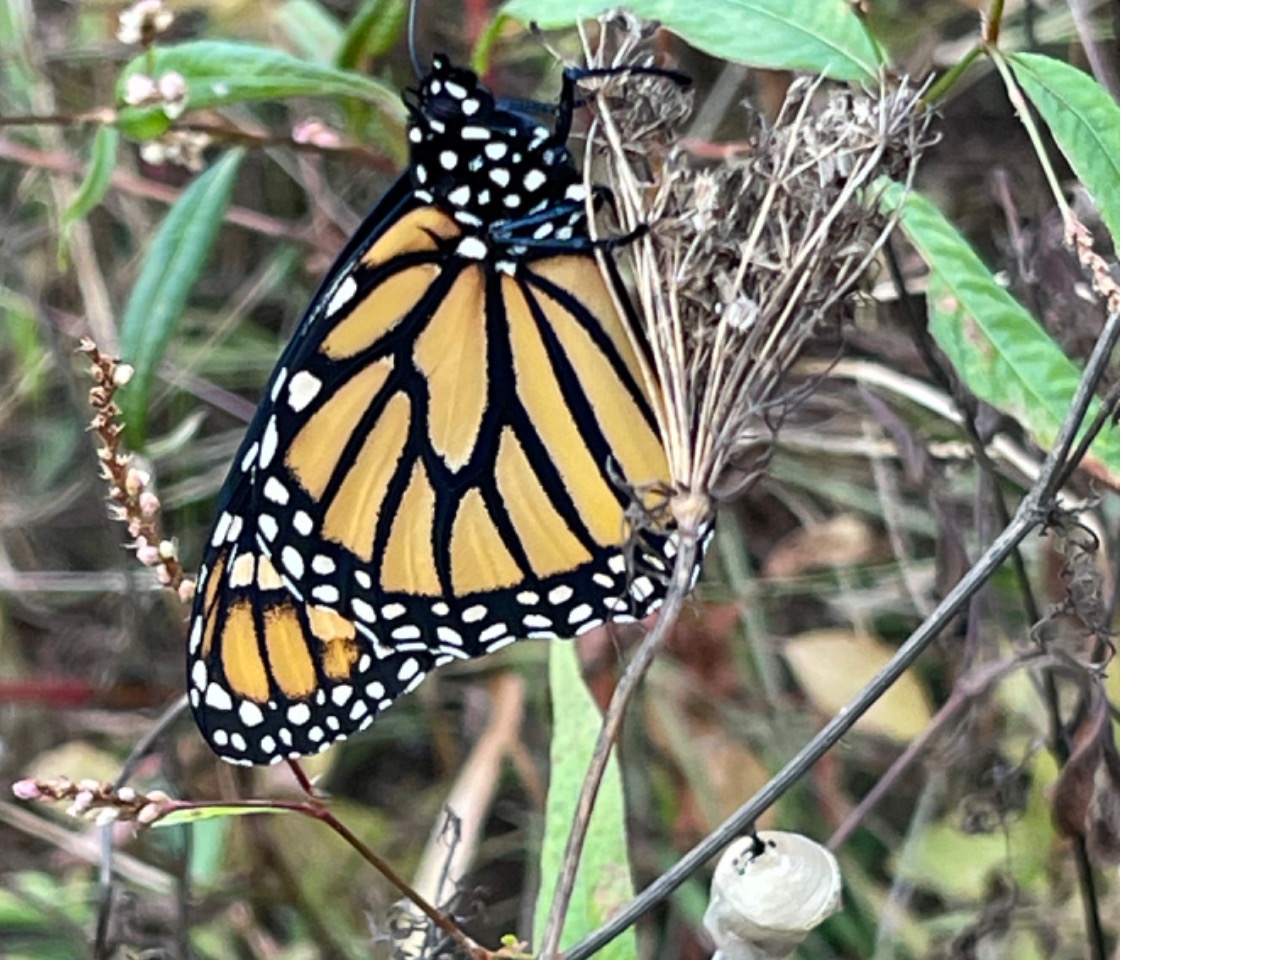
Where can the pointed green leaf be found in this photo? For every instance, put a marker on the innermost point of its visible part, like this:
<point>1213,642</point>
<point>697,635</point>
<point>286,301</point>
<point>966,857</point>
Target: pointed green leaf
<point>196,813</point>
<point>219,73</point>
<point>1001,353</point>
<point>813,36</point>
<point>604,877</point>
<point>1084,121</point>
<point>97,178</point>
<point>173,262</point>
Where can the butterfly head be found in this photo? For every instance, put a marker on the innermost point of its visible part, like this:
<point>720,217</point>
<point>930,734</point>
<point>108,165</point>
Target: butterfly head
<point>503,172</point>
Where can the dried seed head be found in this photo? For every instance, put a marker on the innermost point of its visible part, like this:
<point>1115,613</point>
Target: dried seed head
<point>744,262</point>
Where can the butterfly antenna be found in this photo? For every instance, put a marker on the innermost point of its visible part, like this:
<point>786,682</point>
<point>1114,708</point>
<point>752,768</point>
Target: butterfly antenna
<point>413,39</point>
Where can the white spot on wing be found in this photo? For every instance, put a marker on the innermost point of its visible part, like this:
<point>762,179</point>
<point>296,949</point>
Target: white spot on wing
<point>303,389</point>
<point>217,697</point>
<point>270,440</point>
<point>292,561</point>
<point>275,491</point>
<point>473,249</point>
<point>341,296</point>
<point>250,713</point>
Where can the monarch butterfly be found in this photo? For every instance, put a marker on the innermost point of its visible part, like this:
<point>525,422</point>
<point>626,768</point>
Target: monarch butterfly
<point>443,461</point>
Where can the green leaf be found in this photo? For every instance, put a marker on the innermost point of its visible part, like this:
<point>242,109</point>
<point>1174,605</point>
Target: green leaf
<point>1001,353</point>
<point>97,178</point>
<point>604,877</point>
<point>813,35</point>
<point>220,73</point>
<point>173,263</point>
<point>1084,121</point>
<point>376,25</point>
<point>197,813</point>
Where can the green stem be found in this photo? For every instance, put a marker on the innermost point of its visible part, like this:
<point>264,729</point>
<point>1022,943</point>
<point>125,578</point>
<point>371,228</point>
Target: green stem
<point>1023,110</point>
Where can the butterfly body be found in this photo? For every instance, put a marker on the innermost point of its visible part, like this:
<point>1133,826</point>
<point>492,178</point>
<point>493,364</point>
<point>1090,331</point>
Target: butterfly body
<point>447,452</point>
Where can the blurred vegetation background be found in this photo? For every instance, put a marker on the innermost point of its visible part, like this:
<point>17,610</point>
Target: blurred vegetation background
<point>871,509</point>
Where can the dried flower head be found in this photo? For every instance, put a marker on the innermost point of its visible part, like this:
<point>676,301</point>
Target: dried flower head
<point>741,264</point>
<point>143,22</point>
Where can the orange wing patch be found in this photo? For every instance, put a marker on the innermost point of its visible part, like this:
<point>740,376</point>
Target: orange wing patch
<point>381,311</point>
<point>452,354</point>
<point>481,560</point>
<point>408,562</point>
<point>352,518</point>
<point>540,392</point>
<point>242,656</point>
<point>636,446</point>
<point>287,652</point>
<point>314,453</point>
<point>412,233</point>
<point>549,544</point>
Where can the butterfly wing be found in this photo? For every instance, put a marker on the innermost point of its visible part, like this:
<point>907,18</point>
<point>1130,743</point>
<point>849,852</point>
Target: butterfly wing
<point>446,454</point>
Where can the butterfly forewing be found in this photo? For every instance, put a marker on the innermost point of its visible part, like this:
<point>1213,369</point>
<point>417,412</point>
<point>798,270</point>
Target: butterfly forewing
<point>446,455</point>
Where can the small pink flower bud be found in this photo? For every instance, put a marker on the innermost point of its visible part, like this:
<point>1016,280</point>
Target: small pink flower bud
<point>149,504</point>
<point>27,790</point>
<point>136,480</point>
